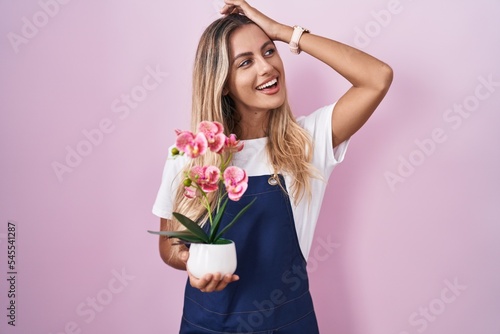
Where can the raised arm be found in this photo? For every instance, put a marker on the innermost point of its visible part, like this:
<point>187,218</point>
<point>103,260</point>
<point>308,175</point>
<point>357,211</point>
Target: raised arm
<point>370,77</point>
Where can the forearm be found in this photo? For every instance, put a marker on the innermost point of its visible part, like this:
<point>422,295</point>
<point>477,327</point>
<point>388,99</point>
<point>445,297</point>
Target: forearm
<point>370,79</point>
<point>169,252</point>
<point>358,67</point>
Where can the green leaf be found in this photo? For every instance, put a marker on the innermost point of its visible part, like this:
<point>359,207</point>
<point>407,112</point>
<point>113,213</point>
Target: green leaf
<point>191,226</point>
<point>234,220</point>
<point>222,241</point>
<point>218,217</point>
<point>182,235</point>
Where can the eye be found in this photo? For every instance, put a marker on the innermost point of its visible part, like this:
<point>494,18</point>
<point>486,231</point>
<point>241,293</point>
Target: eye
<point>245,63</point>
<point>270,52</point>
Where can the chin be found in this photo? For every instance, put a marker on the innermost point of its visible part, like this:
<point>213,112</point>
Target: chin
<point>278,105</point>
<point>275,102</point>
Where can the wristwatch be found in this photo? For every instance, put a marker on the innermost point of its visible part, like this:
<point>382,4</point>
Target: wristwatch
<point>294,42</point>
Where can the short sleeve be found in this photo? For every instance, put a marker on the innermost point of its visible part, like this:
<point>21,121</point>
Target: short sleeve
<point>319,126</point>
<point>171,178</point>
<point>325,158</point>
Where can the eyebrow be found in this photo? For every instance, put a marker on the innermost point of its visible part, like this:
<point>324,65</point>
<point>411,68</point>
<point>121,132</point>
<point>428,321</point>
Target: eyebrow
<point>246,54</point>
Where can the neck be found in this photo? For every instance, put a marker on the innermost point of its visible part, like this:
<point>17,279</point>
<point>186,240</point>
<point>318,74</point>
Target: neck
<point>253,125</point>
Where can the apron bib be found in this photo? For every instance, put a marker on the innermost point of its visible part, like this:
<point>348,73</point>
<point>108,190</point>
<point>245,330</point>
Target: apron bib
<point>272,294</point>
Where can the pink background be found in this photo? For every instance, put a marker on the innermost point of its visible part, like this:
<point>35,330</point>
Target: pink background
<point>385,253</point>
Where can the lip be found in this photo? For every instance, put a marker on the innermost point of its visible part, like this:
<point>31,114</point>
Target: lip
<point>270,91</point>
<point>266,81</point>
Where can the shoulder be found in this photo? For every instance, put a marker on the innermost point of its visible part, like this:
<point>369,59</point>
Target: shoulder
<point>319,126</point>
<point>321,117</point>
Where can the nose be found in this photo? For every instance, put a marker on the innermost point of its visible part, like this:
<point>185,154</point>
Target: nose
<point>264,67</point>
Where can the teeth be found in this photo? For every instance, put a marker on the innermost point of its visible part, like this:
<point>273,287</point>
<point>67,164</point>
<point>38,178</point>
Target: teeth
<point>268,84</point>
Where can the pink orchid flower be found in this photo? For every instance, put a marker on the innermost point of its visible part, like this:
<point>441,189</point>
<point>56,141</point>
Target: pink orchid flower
<point>207,177</point>
<point>192,145</point>
<point>236,181</point>
<point>232,145</point>
<point>191,192</point>
<point>213,131</point>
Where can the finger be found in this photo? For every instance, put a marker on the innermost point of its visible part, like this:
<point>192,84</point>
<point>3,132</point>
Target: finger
<point>199,283</point>
<point>225,281</point>
<point>226,9</point>
<point>235,2</point>
<point>233,278</point>
<point>221,286</point>
<point>212,284</point>
<point>230,9</point>
<point>230,2</point>
<point>235,6</point>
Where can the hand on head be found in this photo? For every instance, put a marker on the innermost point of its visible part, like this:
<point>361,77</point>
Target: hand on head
<point>241,7</point>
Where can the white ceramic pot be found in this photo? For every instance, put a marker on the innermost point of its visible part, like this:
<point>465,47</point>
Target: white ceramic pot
<point>211,259</point>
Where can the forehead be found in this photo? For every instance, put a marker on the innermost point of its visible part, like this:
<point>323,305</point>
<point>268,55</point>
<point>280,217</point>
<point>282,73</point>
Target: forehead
<point>247,38</point>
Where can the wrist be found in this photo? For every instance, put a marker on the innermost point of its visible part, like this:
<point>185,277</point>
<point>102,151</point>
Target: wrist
<point>284,33</point>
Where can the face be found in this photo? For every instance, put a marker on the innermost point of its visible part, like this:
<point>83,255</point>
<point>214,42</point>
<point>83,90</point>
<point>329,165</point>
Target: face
<point>256,79</point>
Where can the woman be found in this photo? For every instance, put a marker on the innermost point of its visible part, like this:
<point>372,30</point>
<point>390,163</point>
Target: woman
<point>239,81</point>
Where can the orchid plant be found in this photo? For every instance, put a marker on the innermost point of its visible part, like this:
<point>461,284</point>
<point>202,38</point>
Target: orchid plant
<point>199,181</point>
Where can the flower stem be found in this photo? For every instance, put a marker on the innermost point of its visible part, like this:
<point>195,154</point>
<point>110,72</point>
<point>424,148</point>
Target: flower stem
<point>226,163</point>
<point>205,202</point>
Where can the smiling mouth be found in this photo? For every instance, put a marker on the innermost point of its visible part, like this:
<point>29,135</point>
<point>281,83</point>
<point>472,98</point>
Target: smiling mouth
<point>269,84</point>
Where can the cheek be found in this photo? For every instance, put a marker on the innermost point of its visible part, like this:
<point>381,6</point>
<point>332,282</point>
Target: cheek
<point>241,84</point>
<point>278,64</point>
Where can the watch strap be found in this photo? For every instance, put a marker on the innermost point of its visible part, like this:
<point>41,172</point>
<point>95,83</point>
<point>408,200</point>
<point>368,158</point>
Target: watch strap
<point>294,41</point>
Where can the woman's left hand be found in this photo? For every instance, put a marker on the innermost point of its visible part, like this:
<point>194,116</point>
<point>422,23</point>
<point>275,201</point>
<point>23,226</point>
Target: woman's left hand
<point>211,282</point>
<point>268,25</point>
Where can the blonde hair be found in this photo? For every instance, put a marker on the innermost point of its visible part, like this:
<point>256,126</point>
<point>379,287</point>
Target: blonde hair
<point>289,147</point>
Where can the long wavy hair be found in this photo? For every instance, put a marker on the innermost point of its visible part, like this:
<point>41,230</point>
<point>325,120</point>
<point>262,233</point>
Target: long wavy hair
<point>289,147</point>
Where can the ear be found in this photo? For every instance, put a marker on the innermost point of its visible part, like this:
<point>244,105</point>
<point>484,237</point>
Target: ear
<point>225,91</point>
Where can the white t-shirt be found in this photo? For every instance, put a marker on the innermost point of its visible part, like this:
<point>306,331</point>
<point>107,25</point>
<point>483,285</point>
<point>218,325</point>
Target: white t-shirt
<point>253,158</point>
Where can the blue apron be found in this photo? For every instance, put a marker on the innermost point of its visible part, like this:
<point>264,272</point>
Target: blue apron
<point>272,294</point>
